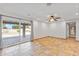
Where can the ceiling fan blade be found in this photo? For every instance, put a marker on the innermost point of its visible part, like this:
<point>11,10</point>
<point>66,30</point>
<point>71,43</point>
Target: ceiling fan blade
<point>57,17</point>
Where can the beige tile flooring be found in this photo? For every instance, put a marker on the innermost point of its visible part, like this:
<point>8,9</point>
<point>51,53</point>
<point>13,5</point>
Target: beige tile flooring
<point>44,47</point>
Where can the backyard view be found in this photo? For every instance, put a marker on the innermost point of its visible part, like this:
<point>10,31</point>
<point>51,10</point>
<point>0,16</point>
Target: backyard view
<point>11,30</point>
<point>15,31</point>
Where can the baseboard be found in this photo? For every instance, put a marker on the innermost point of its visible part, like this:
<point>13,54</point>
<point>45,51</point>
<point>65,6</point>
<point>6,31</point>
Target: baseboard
<point>56,37</point>
<point>47,37</point>
<point>40,38</point>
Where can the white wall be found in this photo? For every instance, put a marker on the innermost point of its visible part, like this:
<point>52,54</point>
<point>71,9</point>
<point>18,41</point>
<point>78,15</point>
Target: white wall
<point>57,29</point>
<point>40,29</point>
<point>77,30</point>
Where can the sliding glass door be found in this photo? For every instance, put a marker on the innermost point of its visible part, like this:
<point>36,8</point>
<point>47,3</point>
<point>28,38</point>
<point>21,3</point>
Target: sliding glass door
<point>15,31</point>
<point>10,31</point>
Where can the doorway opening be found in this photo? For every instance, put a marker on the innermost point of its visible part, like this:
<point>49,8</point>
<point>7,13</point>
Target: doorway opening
<point>71,30</point>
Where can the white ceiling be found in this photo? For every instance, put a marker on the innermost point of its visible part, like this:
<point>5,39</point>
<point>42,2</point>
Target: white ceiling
<point>40,11</point>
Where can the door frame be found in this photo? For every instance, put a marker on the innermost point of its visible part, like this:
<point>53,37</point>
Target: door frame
<point>67,33</point>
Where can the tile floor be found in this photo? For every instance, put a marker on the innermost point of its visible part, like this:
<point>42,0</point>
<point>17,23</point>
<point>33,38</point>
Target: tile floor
<point>44,47</point>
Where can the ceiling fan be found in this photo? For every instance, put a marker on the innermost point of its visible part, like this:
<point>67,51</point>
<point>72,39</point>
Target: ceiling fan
<point>53,18</point>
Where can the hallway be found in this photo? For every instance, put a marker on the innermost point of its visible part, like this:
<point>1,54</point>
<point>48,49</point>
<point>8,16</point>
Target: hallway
<point>47,46</point>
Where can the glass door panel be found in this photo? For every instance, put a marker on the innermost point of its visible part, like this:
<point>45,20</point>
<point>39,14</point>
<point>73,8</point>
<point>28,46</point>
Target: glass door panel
<point>25,32</point>
<point>28,32</point>
<point>10,31</point>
